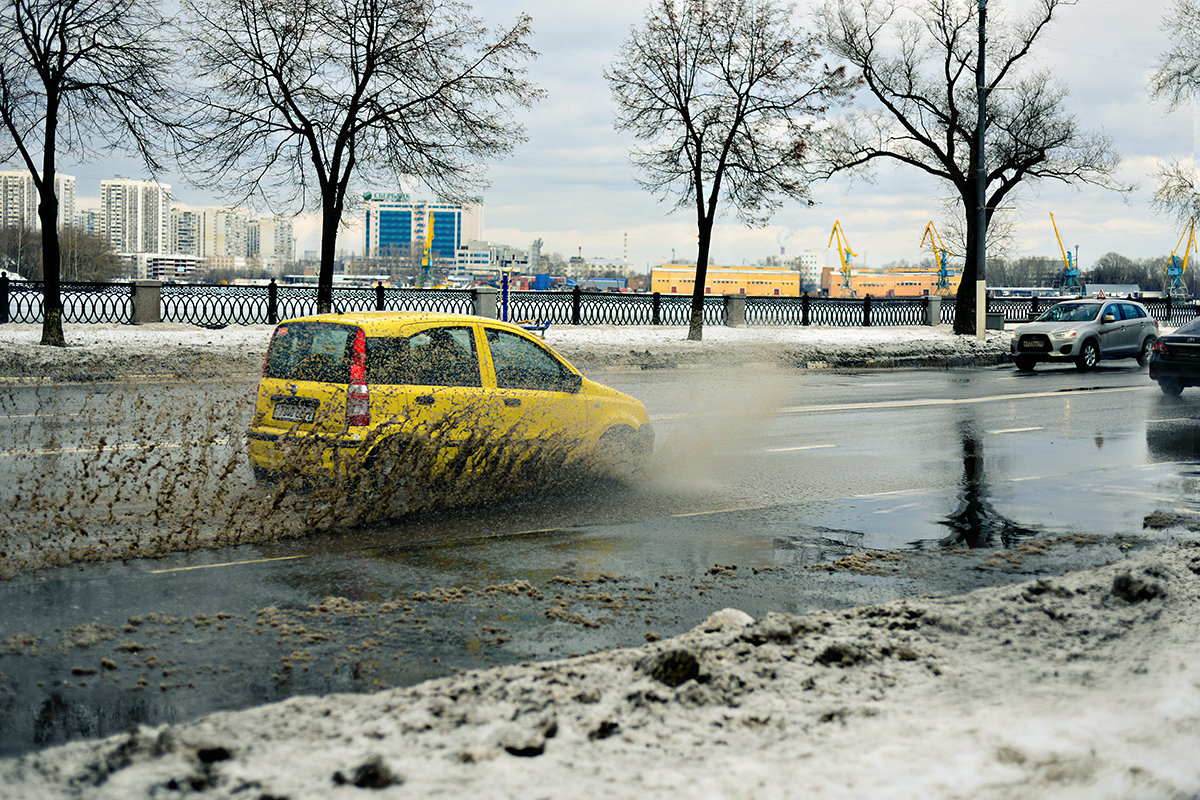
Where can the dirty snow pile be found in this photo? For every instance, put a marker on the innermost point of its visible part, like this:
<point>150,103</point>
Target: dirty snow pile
<point>1081,686</point>
<point>103,352</point>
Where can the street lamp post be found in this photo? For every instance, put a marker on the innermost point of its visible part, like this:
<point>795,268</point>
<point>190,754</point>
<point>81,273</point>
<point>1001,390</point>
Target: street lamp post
<point>981,190</point>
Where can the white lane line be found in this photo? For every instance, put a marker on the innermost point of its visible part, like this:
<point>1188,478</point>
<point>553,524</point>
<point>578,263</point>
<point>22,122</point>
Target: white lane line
<point>107,448</point>
<point>226,564</point>
<point>803,447</point>
<point>935,401</point>
<point>720,511</point>
<point>943,401</point>
<point>1017,430</point>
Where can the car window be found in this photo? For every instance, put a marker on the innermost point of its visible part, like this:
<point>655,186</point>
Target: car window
<point>443,356</point>
<point>523,364</point>
<point>1132,311</point>
<point>1190,329</point>
<point>1070,312</point>
<point>310,351</point>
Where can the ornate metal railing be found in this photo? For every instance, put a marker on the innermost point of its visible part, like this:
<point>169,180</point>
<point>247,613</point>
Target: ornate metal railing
<point>219,305</point>
<point>83,303</point>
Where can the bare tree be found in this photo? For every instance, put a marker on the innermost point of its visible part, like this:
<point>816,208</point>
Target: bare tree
<point>76,75</point>
<point>722,94</point>
<point>918,62</point>
<point>298,98</point>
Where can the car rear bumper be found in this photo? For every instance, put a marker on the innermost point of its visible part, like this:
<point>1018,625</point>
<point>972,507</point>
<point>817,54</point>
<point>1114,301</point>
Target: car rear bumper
<point>1186,373</point>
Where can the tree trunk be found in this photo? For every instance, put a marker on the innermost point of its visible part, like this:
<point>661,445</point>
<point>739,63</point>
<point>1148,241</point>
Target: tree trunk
<point>964,304</point>
<point>52,307</point>
<point>331,218</point>
<point>704,241</point>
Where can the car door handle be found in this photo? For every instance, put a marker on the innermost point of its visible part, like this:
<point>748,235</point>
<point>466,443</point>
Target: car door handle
<point>512,401</point>
<point>424,400</point>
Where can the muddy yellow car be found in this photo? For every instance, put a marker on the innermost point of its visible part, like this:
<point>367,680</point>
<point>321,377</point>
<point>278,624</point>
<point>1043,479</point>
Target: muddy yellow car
<point>451,398</point>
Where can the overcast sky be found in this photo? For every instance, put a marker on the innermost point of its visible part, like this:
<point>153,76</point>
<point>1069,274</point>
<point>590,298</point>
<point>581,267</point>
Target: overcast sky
<point>571,184</point>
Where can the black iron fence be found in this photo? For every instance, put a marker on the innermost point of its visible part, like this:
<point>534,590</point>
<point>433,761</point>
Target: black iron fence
<point>216,306</point>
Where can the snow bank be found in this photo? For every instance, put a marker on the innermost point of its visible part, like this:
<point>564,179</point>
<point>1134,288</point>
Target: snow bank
<point>98,352</point>
<point>1083,686</point>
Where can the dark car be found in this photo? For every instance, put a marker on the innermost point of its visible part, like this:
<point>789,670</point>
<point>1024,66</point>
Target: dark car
<point>1175,359</point>
<point>1085,331</point>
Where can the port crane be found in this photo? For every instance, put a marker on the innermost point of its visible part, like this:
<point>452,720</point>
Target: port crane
<point>844,252</point>
<point>1070,278</point>
<point>941,257</point>
<point>1175,268</point>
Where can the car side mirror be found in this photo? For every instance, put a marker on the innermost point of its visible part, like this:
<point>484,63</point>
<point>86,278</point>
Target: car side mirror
<point>1107,318</point>
<point>572,383</point>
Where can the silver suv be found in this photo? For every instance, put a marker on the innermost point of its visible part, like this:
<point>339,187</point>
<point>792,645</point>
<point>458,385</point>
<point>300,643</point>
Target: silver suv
<point>1085,331</point>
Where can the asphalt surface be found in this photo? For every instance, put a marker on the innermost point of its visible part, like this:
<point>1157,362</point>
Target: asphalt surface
<point>770,490</point>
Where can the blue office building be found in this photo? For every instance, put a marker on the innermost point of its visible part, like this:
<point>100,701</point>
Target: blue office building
<point>398,226</point>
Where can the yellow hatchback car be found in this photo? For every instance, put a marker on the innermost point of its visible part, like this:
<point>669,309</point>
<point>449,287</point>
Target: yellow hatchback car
<point>389,394</point>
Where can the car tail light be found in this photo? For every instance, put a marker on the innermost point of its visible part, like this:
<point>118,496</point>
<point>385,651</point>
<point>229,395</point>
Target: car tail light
<point>1161,347</point>
<point>358,394</point>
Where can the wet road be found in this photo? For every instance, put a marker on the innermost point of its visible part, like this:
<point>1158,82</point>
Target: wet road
<point>769,491</point>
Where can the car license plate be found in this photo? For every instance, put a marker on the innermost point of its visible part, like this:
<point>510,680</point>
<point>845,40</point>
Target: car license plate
<point>1033,345</point>
<point>294,412</point>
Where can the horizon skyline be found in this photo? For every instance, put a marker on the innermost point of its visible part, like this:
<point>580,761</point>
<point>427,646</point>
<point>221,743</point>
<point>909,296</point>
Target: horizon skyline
<point>571,184</point>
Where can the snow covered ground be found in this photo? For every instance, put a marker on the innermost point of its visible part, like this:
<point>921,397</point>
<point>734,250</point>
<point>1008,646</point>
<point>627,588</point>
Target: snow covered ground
<point>1083,686</point>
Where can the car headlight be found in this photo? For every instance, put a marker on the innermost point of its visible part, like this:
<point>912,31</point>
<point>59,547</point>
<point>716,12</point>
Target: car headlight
<point>1071,334</point>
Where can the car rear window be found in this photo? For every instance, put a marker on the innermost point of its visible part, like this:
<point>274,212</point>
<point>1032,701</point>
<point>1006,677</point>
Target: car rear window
<point>1190,329</point>
<point>311,351</point>
<point>443,356</point>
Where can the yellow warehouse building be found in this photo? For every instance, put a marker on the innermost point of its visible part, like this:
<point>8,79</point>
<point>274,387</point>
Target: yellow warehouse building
<point>756,281</point>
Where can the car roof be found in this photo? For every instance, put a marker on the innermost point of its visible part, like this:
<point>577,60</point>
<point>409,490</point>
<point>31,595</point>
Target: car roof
<point>392,323</point>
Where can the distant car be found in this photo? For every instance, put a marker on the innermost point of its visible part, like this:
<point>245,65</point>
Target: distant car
<point>348,396</point>
<point>1175,359</point>
<point>1085,331</point>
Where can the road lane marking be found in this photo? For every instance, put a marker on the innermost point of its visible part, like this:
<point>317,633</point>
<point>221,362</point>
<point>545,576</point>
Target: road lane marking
<point>97,450</point>
<point>1018,430</point>
<point>945,401</point>
<point>803,447</point>
<point>226,564</point>
<point>928,402</point>
<point>719,511</point>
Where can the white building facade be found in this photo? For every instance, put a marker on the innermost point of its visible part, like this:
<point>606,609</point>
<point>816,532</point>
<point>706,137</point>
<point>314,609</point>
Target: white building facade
<point>135,215</point>
<point>19,200</point>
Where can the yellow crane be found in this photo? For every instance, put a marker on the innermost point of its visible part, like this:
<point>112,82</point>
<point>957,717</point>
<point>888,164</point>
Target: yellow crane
<point>1070,281</point>
<point>941,257</point>
<point>1176,267</point>
<point>844,252</point>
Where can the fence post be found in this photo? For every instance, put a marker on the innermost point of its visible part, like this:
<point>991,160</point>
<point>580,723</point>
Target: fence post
<point>867,311</point>
<point>1033,310</point>
<point>272,303</point>
<point>3,298</point>
<point>933,309</point>
<point>379,296</point>
<point>576,302</point>
<point>735,310</point>
<point>1168,318</point>
<point>804,301</point>
<point>146,295</point>
<point>483,298</point>
<point>655,309</point>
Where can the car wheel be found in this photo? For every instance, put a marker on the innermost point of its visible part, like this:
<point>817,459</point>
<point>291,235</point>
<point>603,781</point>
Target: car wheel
<point>1171,388</point>
<point>1143,356</point>
<point>1025,363</point>
<point>624,451</point>
<point>1089,354</point>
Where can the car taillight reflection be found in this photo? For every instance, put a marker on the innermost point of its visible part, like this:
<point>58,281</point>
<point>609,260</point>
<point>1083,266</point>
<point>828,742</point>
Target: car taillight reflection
<point>358,394</point>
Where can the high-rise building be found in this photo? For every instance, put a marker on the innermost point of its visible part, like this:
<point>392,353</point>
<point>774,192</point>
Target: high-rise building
<point>271,241</point>
<point>185,232</point>
<point>88,220</point>
<point>397,225</point>
<point>135,215</point>
<point>19,200</point>
<point>224,233</point>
